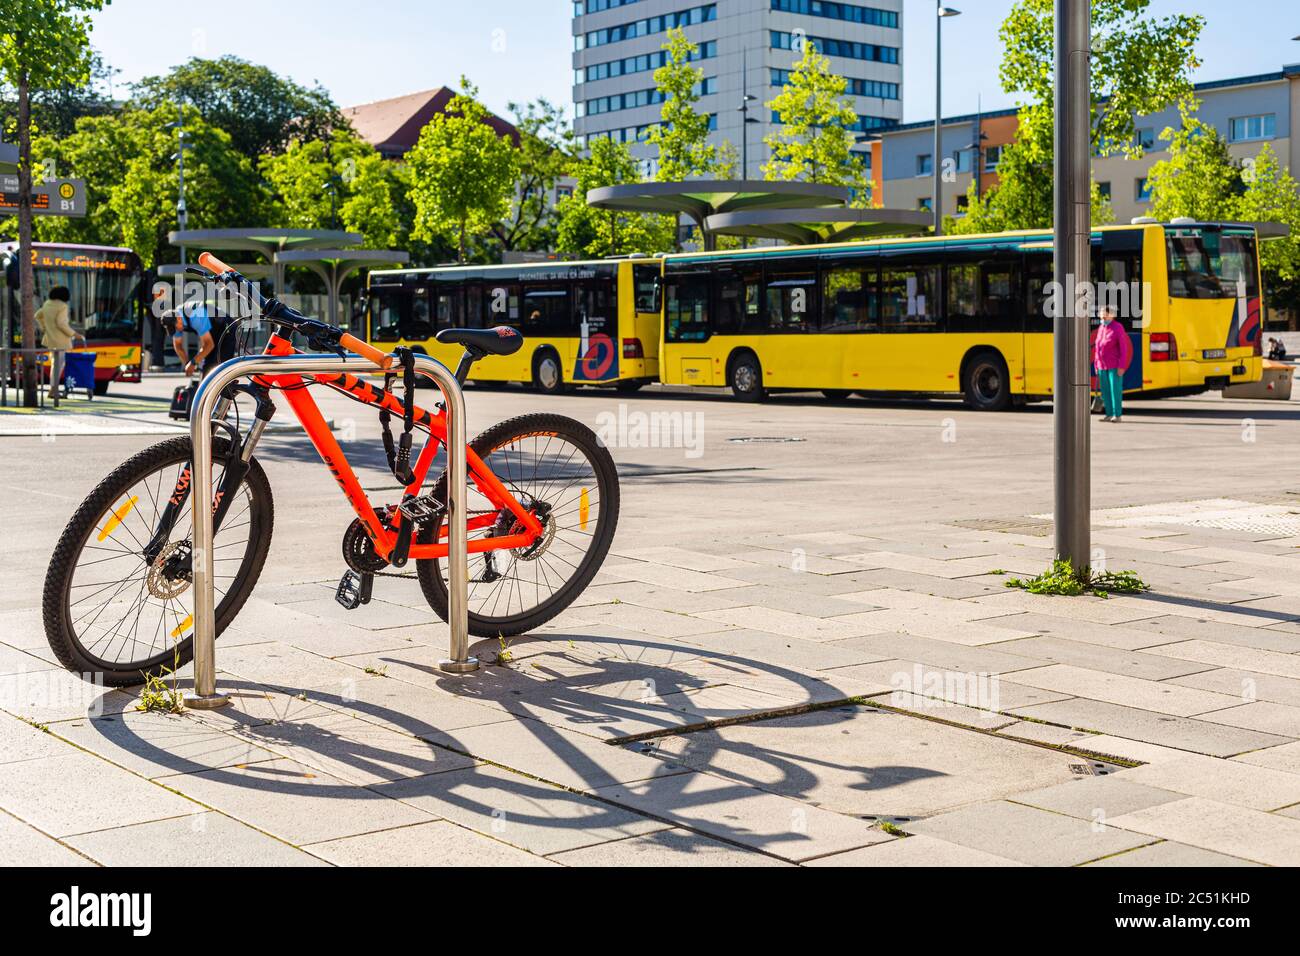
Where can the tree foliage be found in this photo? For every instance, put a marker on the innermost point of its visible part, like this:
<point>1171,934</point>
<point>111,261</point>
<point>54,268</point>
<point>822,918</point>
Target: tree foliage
<point>339,183</point>
<point>547,153</point>
<point>463,173</point>
<point>815,141</point>
<point>682,134</point>
<point>261,110</point>
<point>595,233</point>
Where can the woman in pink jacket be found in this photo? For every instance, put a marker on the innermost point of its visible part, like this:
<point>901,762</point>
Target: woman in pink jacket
<point>1111,354</point>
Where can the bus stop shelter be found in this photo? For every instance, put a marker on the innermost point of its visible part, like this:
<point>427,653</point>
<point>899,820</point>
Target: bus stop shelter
<point>264,242</point>
<point>705,198</point>
<point>8,159</point>
<point>806,226</point>
<point>335,266</point>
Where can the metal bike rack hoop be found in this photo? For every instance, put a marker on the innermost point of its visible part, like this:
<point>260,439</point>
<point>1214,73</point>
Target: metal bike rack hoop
<point>205,694</point>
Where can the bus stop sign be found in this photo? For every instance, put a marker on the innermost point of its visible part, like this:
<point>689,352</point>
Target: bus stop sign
<point>56,197</point>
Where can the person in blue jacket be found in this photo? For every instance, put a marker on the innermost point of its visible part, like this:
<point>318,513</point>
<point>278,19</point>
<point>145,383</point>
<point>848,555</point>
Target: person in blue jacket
<point>215,346</point>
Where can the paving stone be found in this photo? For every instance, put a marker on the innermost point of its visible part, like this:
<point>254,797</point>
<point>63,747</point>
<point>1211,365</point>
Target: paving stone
<point>563,757</point>
<point>1099,658</point>
<point>924,624</point>
<point>737,813</point>
<point>26,846</point>
<point>679,578</point>
<point>802,562</point>
<point>786,623</point>
<point>1249,685</point>
<point>251,704</point>
<point>19,740</point>
<point>526,813</point>
<point>46,696</point>
<point>662,598</point>
<point>1283,757</point>
<point>294,802</point>
<point>1247,614</point>
<point>1183,733</point>
<point>76,793</point>
<point>1083,608</point>
<point>753,646</point>
<point>1228,781</point>
<point>1260,715</point>
<point>784,577</point>
<point>354,750</point>
<point>15,661</point>
<point>1123,636</point>
<point>1170,854</point>
<point>940,709</point>
<point>1108,745</point>
<point>863,762</point>
<point>955,588</point>
<point>156,745</point>
<point>1097,798</point>
<point>788,683</point>
<point>942,608</point>
<point>1227,655</point>
<point>665,625</point>
<point>283,666</point>
<point>434,844</point>
<point>1222,828</point>
<point>1129,691</point>
<point>1186,629</point>
<point>1026,834</point>
<point>1047,734</point>
<point>202,838</point>
<point>665,848</point>
<point>685,558</point>
<point>914,851</point>
<point>996,693</point>
<point>942,654</point>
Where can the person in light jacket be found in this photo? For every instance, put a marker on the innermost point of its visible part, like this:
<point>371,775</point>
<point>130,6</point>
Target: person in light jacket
<point>52,318</point>
<point>1111,354</point>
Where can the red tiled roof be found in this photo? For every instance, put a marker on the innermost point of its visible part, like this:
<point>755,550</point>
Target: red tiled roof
<point>393,126</point>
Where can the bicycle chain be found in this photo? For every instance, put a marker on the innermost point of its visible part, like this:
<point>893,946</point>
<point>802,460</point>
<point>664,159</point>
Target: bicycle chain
<point>396,574</point>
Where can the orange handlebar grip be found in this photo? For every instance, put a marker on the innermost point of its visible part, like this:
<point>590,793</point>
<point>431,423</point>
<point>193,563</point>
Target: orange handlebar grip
<point>354,344</point>
<point>213,264</point>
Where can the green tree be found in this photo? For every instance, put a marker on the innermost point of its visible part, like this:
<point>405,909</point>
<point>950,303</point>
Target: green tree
<point>1199,178</point>
<point>463,173</point>
<point>1141,64</point>
<point>597,233</point>
<point>44,45</point>
<point>815,141</point>
<point>339,183</point>
<point>132,183</point>
<point>1272,195</point>
<point>261,110</point>
<point>547,152</point>
<point>682,135</point>
<point>55,111</point>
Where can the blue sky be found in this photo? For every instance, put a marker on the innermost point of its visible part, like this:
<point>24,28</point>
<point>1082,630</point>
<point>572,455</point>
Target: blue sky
<point>517,50</point>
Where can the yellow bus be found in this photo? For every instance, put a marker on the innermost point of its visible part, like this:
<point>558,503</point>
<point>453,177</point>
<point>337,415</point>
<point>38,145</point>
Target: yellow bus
<point>585,323</point>
<point>959,315</point>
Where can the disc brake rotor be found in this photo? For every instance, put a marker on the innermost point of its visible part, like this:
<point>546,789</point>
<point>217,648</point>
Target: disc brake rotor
<point>162,581</point>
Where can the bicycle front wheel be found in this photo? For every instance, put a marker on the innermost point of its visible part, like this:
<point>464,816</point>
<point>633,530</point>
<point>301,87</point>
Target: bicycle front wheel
<point>558,468</point>
<point>112,610</point>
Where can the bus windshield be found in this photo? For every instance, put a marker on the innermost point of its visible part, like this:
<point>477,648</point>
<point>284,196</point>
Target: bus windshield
<point>1209,264</point>
<point>104,287</point>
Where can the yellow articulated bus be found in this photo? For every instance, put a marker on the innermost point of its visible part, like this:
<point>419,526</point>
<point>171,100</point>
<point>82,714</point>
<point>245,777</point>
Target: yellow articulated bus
<point>959,315</point>
<point>585,323</point>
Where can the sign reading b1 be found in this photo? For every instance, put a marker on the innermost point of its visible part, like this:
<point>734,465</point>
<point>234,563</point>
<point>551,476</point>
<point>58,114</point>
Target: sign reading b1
<point>56,197</point>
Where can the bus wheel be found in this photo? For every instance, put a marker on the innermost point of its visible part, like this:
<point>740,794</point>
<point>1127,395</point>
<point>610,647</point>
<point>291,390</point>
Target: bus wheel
<point>101,387</point>
<point>548,375</point>
<point>630,385</point>
<point>746,378</point>
<point>985,382</point>
<point>836,394</point>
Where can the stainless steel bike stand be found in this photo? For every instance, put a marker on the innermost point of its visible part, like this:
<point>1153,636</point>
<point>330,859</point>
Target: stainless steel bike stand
<point>204,695</point>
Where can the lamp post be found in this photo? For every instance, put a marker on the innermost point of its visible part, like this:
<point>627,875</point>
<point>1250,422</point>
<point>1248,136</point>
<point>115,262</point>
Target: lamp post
<point>936,164</point>
<point>745,119</point>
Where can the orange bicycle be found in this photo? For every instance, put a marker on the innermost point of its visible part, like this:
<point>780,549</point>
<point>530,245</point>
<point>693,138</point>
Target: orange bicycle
<point>543,507</point>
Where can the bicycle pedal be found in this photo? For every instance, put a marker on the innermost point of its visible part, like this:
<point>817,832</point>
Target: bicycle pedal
<point>354,589</point>
<point>420,510</point>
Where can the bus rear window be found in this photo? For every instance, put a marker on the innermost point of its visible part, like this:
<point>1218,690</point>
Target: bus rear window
<point>1208,264</point>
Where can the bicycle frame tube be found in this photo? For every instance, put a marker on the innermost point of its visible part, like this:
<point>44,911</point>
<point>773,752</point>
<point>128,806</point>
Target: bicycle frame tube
<point>318,432</point>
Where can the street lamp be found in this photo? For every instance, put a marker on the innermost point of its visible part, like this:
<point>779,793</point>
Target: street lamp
<point>936,201</point>
<point>745,119</point>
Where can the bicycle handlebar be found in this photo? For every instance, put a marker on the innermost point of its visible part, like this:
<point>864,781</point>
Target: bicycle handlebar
<point>213,264</point>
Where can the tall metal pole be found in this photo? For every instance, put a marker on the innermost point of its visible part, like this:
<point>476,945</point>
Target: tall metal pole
<point>936,163</point>
<point>1072,234</point>
<point>744,113</point>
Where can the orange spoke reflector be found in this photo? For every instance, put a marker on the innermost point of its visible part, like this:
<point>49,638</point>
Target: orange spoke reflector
<point>111,524</point>
<point>584,509</point>
<point>183,626</point>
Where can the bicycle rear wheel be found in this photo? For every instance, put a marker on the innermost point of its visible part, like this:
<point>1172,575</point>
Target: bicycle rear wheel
<point>108,610</point>
<point>558,467</point>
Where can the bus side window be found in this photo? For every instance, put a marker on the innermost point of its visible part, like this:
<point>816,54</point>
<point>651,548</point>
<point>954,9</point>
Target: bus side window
<point>849,300</point>
<point>474,307</point>
<point>501,304</point>
<point>447,300</point>
<point>907,298</point>
<point>547,311</point>
<point>1038,275</point>
<point>736,301</point>
<point>420,325</point>
<point>643,287</point>
<point>386,314</point>
<point>791,301</point>
<point>982,297</point>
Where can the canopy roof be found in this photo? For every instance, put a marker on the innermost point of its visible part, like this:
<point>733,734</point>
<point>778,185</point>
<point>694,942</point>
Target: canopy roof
<point>8,158</point>
<point>267,242</point>
<point>804,226</point>
<point>702,198</point>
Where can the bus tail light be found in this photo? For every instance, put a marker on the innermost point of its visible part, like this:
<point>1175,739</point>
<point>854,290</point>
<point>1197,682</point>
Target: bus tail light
<point>632,349</point>
<point>1164,348</point>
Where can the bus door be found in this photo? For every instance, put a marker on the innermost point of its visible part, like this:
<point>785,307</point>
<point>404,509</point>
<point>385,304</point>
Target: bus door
<point>1117,274</point>
<point>550,317</point>
<point>687,331</point>
<point>806,359</point>
<point>910,310</point>
<point>851,319</point>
